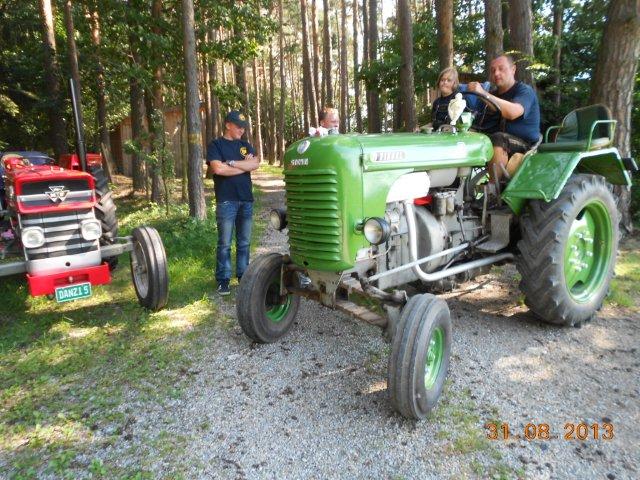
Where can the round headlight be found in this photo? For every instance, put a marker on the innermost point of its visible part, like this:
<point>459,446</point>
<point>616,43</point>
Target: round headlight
<point>32,237</point>
<point>91,229</point>
<point>376,230</point>
<point>278,218</point>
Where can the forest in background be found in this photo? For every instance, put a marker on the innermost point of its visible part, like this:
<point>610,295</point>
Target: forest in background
<point>281,61</point>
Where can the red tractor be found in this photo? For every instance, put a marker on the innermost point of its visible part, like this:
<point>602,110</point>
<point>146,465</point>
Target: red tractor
<point>58,226</point>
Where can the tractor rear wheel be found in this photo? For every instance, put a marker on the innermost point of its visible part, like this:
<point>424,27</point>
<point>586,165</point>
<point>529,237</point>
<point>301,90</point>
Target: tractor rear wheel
<point>105,211</point>
<point>568,251</point>
<point>149,268</point>
<point>420,356</point>
<point>263,313</point>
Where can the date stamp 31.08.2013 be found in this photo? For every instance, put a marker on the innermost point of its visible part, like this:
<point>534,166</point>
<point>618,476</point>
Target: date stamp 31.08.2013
<point>543,431</point>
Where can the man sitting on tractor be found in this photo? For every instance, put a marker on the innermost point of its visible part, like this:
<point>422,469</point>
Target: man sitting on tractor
<point>519,108</point>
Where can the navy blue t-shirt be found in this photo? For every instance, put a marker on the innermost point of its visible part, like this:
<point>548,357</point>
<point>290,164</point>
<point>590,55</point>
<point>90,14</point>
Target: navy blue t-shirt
<point>527,126</point>
<point>236,188</point>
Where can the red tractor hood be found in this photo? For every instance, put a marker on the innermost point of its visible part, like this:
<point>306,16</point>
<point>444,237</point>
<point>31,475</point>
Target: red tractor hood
<point>45,188</point>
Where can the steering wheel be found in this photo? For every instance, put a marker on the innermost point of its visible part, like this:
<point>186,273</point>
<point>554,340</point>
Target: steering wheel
<point>480,128</point>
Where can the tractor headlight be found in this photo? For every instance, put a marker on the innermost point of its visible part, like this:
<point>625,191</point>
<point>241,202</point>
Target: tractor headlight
<point>91,229</point>
<point>376,230</point>
<point>32,237</point>
<point>278,218</point>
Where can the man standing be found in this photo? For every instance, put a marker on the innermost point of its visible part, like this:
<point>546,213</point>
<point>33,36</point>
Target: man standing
<point>231,159</point>
<point>520,109</point>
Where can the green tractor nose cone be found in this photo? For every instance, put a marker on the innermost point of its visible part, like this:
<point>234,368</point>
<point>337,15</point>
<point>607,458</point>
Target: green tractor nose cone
<point>588,251</point>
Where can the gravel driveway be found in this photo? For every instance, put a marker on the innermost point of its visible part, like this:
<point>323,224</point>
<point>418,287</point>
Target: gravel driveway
<point>314,405</point>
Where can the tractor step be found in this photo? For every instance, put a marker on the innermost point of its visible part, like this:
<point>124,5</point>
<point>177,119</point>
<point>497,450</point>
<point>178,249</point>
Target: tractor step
<point>361,313</point>
<point>500,231</point>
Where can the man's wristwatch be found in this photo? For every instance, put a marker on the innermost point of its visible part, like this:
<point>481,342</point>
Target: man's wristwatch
<point>232,163</point>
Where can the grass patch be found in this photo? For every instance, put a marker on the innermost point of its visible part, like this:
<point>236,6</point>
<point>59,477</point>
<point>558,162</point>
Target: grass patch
<point>68,371</point>
<point>464,431</point>
<point>624,287</point>
<point>270,169</point>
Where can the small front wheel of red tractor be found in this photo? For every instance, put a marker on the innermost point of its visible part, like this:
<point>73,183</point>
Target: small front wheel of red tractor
<point>263,313</point>
<point>419,356</point>
<point>149,268</point>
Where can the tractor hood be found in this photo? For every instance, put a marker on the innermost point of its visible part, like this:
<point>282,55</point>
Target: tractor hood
<point>42,189</point>
<point>391,151</point>
<point>335,182</point>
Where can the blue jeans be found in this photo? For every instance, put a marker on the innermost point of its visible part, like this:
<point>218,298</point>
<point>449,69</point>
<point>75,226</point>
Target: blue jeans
<point>231,214</point>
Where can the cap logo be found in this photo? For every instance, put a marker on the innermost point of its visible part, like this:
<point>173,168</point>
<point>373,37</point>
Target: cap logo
<point>242,117</point>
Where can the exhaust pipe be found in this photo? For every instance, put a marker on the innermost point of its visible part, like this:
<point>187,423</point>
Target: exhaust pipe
<point>77,118</point>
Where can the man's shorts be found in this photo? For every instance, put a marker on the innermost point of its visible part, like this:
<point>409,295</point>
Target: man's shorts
<point>510,143</point>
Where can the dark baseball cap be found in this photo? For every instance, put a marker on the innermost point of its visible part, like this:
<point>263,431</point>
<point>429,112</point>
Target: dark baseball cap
<point>234,116</point>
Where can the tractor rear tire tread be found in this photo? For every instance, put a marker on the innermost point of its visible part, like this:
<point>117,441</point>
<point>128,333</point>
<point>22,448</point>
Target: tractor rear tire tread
<point>544,230</point>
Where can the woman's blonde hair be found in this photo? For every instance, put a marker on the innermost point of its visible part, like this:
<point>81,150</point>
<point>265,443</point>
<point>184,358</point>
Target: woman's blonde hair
<point>453,73</point>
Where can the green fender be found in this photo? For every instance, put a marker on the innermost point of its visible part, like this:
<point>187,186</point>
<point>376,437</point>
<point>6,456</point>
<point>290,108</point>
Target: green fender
<point>542,176</point>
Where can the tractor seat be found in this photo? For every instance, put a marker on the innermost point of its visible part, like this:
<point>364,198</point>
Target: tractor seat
<point>584,129</point>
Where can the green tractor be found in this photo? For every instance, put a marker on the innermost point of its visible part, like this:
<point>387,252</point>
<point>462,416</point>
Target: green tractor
<point>383,217</point>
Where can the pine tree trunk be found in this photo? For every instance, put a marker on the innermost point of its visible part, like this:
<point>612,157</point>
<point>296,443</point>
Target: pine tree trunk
<point>356,81</point>
<point>283,86</point>
<point>558,11</point>
<point>272,108</point>
<point>520,34</point>
<point>614,79</point>
<point>215,101</point>
<point>155,112</point>
<point>307,74</point>
<point>58,129</point>
<point>315,52</point>
<point>444,18</point>
<point>258,118</point>
<point>197,207</point>
<point>373,102</point>
<point>407,97</point>
<point>206,80</point>
<point>241,81</point>
<point>264,112</point>
<point>137,111</point>
<point>72,50</point>
<point>101,96</point>
<point>493,33</point>
<point>326,56</point>
<point>295,95</point>
<point>344,73</point>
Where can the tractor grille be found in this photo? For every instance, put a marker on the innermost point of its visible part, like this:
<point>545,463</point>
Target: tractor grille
<point>62,234</point>
<point>43,193</point>
<point>313,214</point>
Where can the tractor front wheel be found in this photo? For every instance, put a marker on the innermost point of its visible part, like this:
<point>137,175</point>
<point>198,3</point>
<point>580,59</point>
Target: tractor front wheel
<point>568,251</point>
<point>149,268</point>
<point>264,314</point>
<point>420,356</point>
